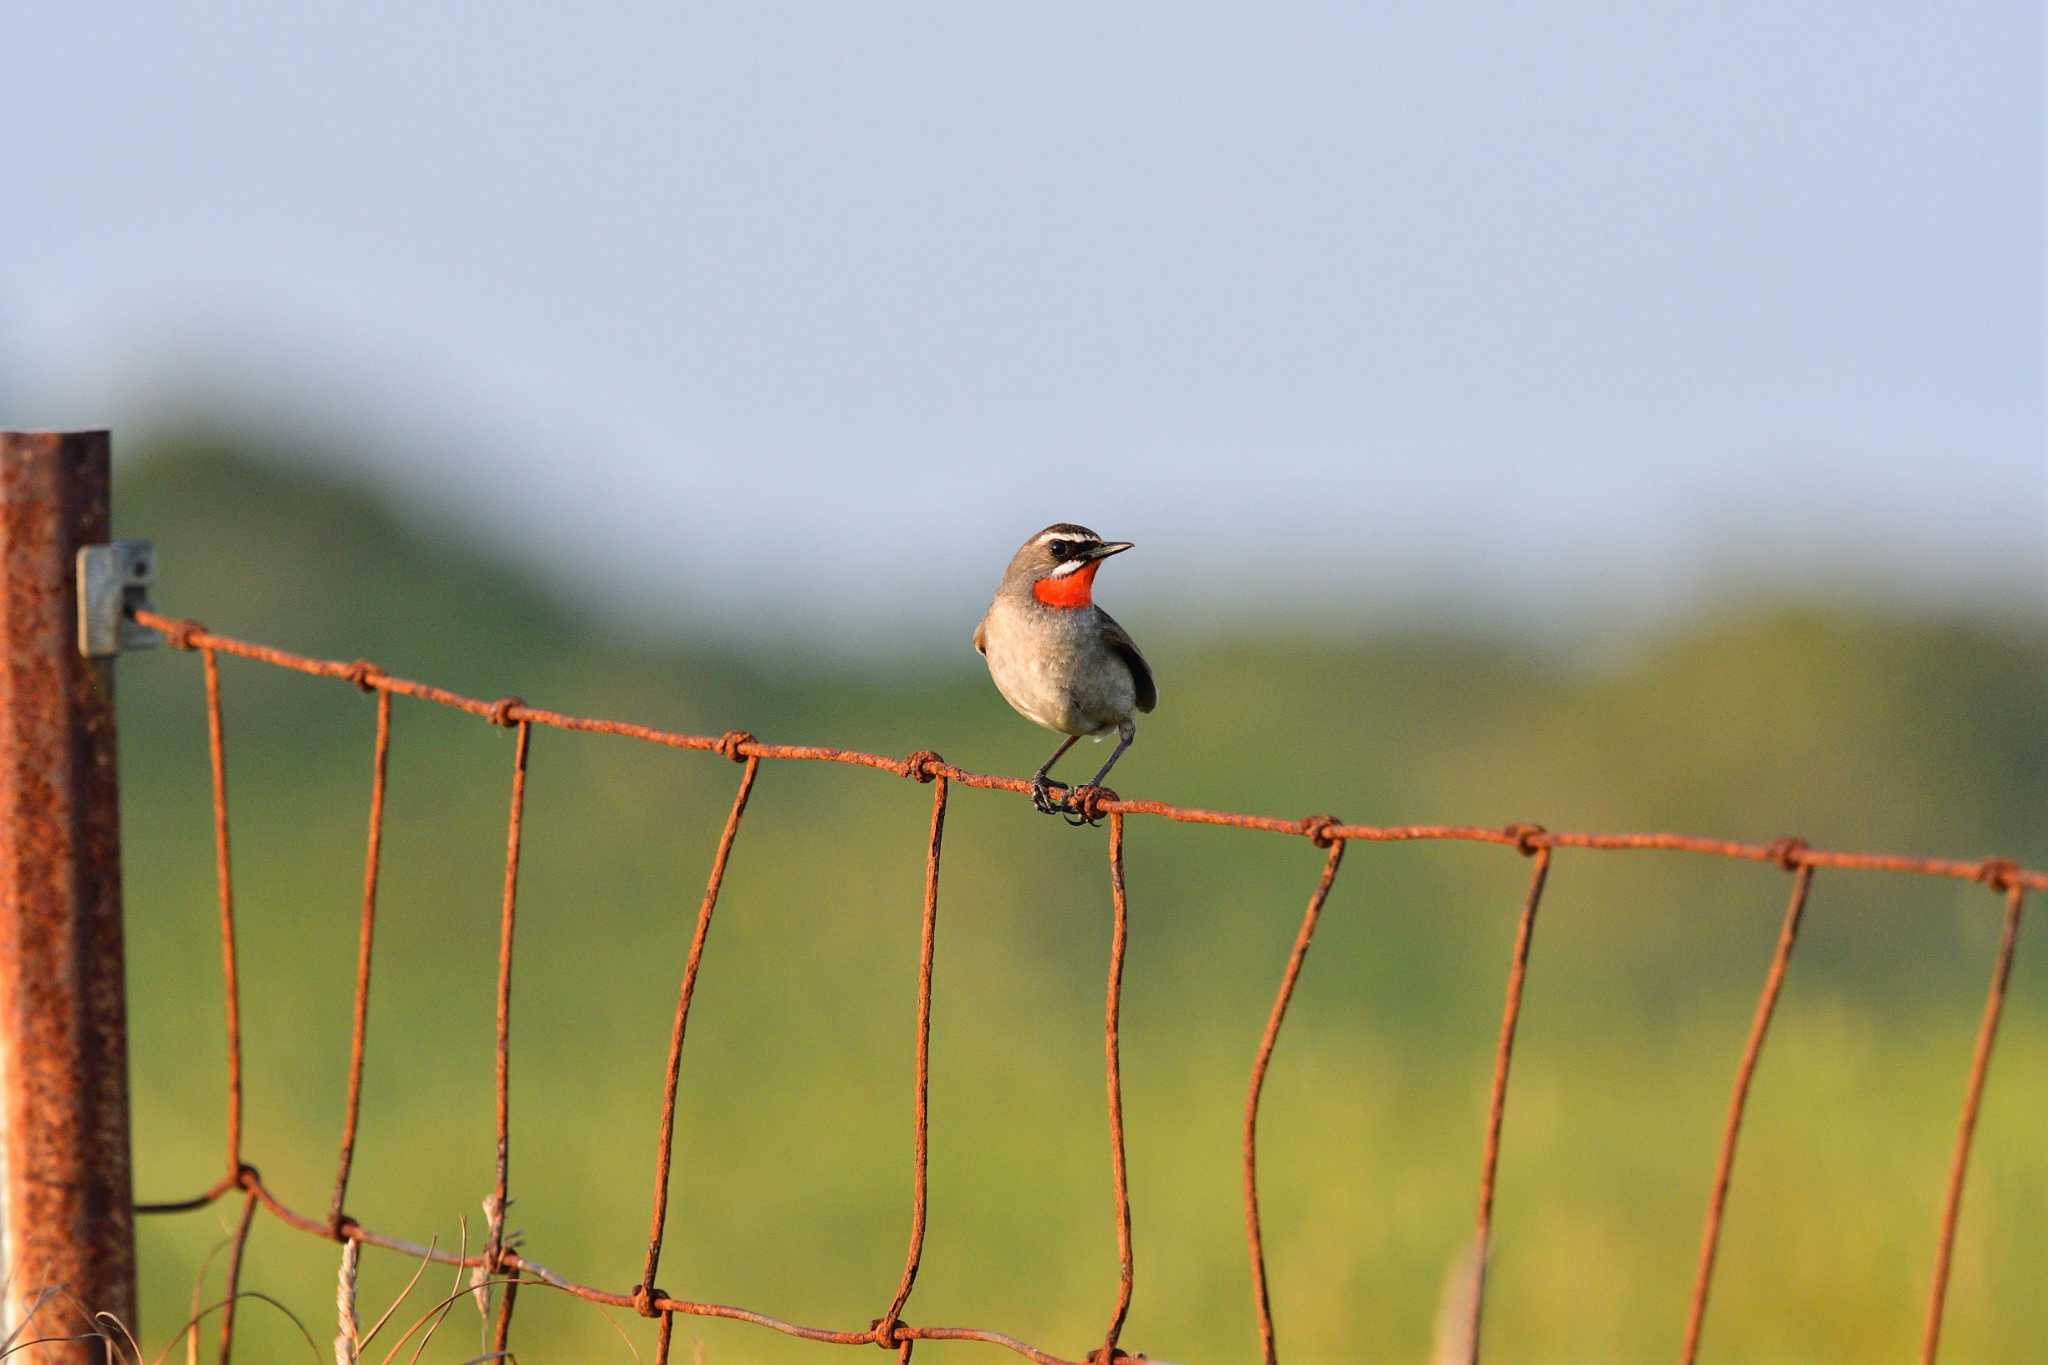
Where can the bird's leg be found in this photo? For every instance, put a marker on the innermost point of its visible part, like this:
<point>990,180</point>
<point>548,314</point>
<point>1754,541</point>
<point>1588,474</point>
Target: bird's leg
<point>1040,796</point>
<point>1126,731</point>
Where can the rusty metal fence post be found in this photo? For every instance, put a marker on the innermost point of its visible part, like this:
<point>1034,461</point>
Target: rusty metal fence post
<point>66,1216</point>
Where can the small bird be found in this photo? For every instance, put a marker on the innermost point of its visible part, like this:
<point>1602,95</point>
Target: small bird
<point>1059,659</point>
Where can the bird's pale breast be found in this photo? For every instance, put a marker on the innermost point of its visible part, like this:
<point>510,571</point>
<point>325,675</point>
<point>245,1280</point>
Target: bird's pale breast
<point>1051,664</point>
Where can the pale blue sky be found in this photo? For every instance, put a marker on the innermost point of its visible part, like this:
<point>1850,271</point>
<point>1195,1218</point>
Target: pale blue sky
<point>1563,306</point>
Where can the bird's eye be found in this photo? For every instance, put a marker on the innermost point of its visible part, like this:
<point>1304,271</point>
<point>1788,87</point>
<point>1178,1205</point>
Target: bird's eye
<point>1060,548</point>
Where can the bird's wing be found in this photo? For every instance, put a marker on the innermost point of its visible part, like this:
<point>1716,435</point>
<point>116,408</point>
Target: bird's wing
<point>1120,643</point>
<point>981,637</point>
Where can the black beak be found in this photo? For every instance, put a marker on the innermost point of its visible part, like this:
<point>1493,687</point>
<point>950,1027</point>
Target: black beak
<point>1108,548</point>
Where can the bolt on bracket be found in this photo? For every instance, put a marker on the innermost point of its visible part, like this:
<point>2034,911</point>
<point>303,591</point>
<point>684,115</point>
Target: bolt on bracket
<point>114,581</point>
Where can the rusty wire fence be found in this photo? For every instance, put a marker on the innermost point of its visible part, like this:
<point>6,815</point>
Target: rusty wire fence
<point>503,1264</point>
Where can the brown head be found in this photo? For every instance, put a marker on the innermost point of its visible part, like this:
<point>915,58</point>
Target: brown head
<point>1058,565</point>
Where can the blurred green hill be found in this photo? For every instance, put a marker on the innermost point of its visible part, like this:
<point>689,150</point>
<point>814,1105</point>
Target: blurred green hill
<point>1843,725</point>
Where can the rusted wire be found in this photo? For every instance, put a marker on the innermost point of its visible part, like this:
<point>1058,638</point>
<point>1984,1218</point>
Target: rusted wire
<point>502,1061</point>
<point>1973,1099</point>
<point>1959,869</point>
<point>224,878</point>
<point>511,1260</point>
<point>1261,1298</point>
<point>1496,1109</point>
<point>1745,1071</point>
<point>380,764</point>
<point>501,1330</point>
<point>498,1258</point>
<point>236,1246</point>
<point>645,1293</point>
<point>1120,932</point>
<point>886,1325</point>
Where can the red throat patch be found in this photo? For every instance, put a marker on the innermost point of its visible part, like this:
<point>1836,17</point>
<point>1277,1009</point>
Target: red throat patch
<point>1074,590</point>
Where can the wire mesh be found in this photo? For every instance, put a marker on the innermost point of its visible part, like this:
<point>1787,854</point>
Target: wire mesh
<point>498,1262</point>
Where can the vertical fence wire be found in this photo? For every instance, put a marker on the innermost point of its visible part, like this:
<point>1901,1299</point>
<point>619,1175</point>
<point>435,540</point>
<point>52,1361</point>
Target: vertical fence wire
<point>664,1333</point>
<point>380,762</point>
<point>885,1328</point>
<point>1496,1108</point>
<point>1119,938</point>
<point>1261,1297</point>
<point>645,1294</point>
<point>501,1199</point>
<point>234,1279</point>
<point>501,1329</point>
<point>224,877</point>
<point>1973,1099</point>
<point>1745,1071</point>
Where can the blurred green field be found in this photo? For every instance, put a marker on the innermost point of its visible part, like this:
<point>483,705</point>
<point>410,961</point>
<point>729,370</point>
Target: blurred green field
<point>1846,726</point>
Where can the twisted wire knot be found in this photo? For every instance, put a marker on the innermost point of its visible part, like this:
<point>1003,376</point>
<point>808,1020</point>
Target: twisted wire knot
<point>729,744</point>
<point>1525,837</point>
<point>178,634</point>
<point>919,767</point>
<point>1998,873</point>
<point>502,709</point>
<point>1086,803</point>
<point>643,1300</point>
<point>1318,827</point>
<point>360,672</point>
<point>883,1332</point>
<point>1786,852</point>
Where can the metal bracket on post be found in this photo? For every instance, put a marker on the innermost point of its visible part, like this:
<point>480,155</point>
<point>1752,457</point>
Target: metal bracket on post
<point>114,582</point>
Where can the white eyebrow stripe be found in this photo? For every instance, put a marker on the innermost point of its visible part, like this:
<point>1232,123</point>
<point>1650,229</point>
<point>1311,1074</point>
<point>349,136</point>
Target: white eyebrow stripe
<point>1059,533</point>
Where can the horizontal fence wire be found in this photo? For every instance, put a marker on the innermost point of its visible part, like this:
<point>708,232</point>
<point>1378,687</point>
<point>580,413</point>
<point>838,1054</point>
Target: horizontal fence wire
<point>497,1262</point>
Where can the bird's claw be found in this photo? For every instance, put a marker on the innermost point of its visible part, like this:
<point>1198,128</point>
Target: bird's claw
<point>1073,802</point>
<point>1041,797</point>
